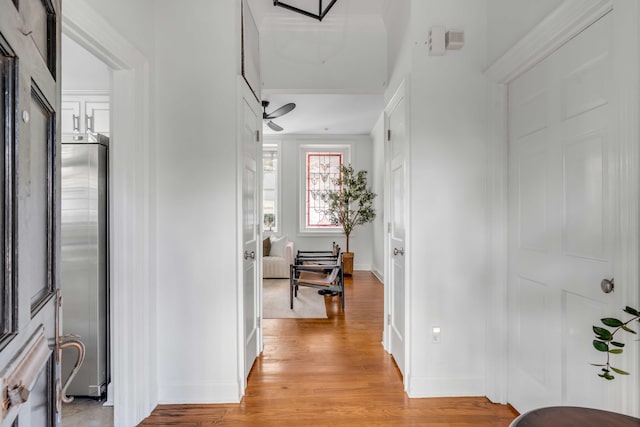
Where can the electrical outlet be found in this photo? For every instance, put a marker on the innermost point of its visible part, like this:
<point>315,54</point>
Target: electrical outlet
<point>436,335</point>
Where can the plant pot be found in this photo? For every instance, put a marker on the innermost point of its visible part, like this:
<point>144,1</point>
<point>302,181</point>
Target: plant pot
<point>347,261</point>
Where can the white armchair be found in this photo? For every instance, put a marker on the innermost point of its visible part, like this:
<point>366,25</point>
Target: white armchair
<point>277,267</point>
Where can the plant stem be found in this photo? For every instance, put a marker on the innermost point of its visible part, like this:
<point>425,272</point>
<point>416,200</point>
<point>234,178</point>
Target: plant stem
<point>608,366</point>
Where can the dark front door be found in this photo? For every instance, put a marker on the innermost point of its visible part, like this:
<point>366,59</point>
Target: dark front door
<point>29,101</point>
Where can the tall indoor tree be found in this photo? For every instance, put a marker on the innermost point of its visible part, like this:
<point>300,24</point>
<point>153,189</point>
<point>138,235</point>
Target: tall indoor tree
<point>352,204</point>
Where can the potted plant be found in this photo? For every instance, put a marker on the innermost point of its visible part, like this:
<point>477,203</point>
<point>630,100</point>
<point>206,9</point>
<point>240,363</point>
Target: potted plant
<point>269,220</point>
<point>350,206</point>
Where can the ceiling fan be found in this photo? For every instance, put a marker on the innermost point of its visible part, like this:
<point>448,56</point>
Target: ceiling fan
<point>275,114</point>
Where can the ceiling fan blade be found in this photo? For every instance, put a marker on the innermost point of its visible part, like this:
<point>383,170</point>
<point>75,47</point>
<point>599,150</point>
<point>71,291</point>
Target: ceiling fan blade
<point>281,111</point>
<point>274,126</point>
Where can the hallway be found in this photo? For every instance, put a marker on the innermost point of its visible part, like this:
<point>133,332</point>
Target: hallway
<point>333,372</point>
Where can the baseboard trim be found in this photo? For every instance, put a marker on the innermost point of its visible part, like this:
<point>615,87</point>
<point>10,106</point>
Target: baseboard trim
<point>203,393</point>
<point>446,387</point>
<point>378,274</point>
<point>362,267</point>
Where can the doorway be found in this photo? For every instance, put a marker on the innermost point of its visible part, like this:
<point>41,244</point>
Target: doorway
<point>84,278</point>
<point>133,320</point>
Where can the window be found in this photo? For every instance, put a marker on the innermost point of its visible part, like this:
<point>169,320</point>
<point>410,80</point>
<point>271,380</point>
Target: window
<point>270,190</point>
<point>321,173</point>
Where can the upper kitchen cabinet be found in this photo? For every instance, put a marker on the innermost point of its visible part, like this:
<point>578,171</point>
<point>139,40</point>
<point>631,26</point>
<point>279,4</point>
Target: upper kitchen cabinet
<point>85,112</point>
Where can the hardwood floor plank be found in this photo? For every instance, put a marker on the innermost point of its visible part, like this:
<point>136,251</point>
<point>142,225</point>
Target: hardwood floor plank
<point>333,372</point>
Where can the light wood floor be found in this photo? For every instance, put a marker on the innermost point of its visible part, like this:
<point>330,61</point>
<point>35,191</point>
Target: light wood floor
<point>333,372</point>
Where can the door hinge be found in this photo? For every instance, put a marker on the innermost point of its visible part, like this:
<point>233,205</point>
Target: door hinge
<point>388,134</point>
<point>259,321</point>
<point>257,136</point>
<point>389,227</point>
<point>389,319</point>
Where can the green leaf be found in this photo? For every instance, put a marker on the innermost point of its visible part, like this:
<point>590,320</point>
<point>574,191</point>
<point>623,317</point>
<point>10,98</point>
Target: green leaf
<point>628,329</point>
<point>616,344</point>
<point>610,321</point>
<point>596,364</point>
<point>631,311</point>
<point>602,333</point>
<point>606,376</point>
<point>619,371</point>
<point>615,351</point>
<point>600,346</point>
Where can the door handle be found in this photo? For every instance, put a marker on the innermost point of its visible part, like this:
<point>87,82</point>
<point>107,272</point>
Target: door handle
<point>248,255</point>
<point>76,123</point>
<point>607,285</point>
<point>397,251</point>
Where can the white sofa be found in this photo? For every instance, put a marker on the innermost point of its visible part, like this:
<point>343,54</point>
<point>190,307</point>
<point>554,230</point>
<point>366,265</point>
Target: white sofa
<point>277,267</point>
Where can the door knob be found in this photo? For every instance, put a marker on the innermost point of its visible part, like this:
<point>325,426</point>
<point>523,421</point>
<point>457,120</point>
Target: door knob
<point>397,251</point>
<point>607,285</point>
<point>248,255</point>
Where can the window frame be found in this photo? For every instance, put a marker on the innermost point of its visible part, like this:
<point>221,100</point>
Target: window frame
<point>273,146</point>
<point>305,149</point>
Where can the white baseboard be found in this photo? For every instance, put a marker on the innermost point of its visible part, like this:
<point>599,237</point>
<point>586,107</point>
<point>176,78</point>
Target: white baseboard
<point>362,267</point>
<point>379,274</point>
<point>446,387</point>
<point>202,393</point>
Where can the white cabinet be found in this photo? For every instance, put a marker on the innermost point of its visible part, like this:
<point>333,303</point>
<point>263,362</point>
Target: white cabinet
<point>85,112</point>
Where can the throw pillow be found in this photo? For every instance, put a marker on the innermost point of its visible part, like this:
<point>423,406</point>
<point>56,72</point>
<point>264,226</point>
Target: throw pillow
<point>277,245</point>
<point>266,246</point>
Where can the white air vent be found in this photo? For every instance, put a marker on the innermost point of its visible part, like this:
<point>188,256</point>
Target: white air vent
<point>454,39</point>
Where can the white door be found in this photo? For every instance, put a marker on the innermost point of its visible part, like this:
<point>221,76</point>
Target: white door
<point>561,212</point>
<point>251,148</point>
<point>29,220</point>
<point>396,142</point>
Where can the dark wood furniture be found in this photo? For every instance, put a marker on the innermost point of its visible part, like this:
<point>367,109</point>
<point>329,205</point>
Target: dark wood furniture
<point>570,416</point>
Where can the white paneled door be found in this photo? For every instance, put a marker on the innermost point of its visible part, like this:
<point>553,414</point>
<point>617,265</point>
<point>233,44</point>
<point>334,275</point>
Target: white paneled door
<point>251,148</point>
<point>562,208</point>
<point>395,152</point>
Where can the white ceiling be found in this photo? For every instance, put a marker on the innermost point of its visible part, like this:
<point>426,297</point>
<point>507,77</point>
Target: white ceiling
<point>320,114</point>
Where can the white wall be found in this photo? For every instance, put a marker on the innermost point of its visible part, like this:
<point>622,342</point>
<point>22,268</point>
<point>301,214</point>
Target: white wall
<point>396,21</point>
<point>377,186</point>
<point>196,85</point>
<point>447,199</point>
<point>81,70</point>
<point>361,239</point>
<point>509,20</point>
<point>134,20</point>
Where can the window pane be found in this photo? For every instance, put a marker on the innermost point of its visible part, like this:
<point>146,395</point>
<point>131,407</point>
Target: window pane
<point>270,187</point>
<point>323,174</point>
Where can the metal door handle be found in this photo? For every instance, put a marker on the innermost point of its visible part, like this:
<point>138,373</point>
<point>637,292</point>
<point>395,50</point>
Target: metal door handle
<point>607,285</point>
<point>89,123</point>
<point>397,251</point>
<point>66,342</point>
<point>248,255</point>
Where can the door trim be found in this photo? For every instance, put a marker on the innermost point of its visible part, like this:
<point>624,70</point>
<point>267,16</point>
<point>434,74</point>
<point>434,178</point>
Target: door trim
<point>559,27</point>
<point>134,396</point>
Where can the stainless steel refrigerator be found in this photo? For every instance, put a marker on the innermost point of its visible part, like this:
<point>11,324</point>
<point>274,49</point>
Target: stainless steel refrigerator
<point>85,259</point>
